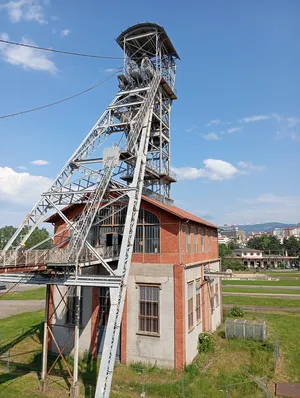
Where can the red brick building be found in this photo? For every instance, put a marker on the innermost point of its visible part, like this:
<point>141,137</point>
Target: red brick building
<point>169,301</point>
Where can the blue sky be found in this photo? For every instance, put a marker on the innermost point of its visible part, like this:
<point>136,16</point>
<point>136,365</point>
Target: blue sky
<point>235,125</point>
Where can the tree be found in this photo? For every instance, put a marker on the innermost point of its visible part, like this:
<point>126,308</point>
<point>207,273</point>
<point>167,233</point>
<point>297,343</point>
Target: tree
<point>292,246</point>
<point>266,243</point>
<point>38,235</point>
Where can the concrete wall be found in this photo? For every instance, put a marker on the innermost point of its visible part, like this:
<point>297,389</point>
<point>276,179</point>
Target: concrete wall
<point>191,274</point>
<point>210,318</point>
<point>62,334</point>
<point>151,349</point>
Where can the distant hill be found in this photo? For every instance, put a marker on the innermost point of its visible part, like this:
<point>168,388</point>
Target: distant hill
<point>266,227</point>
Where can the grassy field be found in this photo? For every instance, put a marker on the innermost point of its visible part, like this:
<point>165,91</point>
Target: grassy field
<point>34,294</point>
<point>259,290</point>
<point>261,301</point>
<point>207,377</point>
<point>291,282</point>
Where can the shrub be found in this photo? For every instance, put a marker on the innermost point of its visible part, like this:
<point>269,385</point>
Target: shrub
<point>237,311</point>
<point>205,342</point>
<point>192,369</point>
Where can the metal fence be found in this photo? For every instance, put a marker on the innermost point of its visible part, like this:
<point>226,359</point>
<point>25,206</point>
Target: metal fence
<point>245,329</point>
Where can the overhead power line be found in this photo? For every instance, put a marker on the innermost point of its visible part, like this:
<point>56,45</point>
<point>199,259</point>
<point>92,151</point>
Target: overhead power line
<point>60,101</point>
<point>58,51</point>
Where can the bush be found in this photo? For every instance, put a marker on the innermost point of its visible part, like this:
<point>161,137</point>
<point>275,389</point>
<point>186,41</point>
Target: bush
<point>205,342</point>
<point>237,311</point>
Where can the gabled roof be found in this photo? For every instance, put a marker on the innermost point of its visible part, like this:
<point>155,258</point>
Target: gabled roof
<point>176,211</point>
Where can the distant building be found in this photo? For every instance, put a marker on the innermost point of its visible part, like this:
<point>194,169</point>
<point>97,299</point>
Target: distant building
<point>222,239</point>
<point>253,258</point>
<point>235,234</point>
<point>285,233</point>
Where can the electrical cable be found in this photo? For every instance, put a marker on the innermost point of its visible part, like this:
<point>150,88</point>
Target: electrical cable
<point>60,101</point>
<point>58,51</point>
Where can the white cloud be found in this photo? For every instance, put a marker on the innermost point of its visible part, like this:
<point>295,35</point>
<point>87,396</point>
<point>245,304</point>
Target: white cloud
<point>292,121</point>
<point>188,130</point>
<point>233,130</point>
<point>211,136</point>
<point>24,10</point>
<point>214,169</point>
<point>22,168</point>
<point>250,166</point>
<point>266,207</point>
<point>27,58</point>
<point>40,162</point>
<point>215,121</point>
<point>109,70</point>
<point>21,187</point>
<point>254,118</point>
<point>65,32</point>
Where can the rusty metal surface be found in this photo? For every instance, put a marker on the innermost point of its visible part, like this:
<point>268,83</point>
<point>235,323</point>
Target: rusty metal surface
<point>288,390</point>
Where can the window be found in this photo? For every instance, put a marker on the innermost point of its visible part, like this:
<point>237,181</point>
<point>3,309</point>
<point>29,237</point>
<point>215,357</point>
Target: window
<point>212,297</point>
<point>217,295</point>
<point>110,221</point>
<point>71,306</point>
<point>209,240</point>
<point>196,239</point>
<point>203,240</point>
<point>190,305</point>
<point>198,300</point>
<point>148,309</point>
<point>104,306</point>
<point>188,238</point>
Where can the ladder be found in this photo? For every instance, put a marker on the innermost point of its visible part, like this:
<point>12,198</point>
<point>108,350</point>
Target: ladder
<point>142,132</point>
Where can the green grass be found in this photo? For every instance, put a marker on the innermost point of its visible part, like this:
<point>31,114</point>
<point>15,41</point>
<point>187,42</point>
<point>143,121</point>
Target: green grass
<point>12,327</point>
<point>242,355</point>
<point>34,294</point>
<point>261,301</point>
<point>263,283</point>
<point>259,290</point>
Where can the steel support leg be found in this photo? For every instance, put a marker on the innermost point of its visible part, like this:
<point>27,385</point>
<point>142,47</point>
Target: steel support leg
<point>43,381</point>
<point>75,387</point>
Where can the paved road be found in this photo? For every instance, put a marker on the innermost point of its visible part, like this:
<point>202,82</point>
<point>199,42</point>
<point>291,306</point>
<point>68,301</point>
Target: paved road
<point>253,308</point>
<point>13,307</point>
<point>273,295</point>
<point>263,287</point>
<point>19,288</point>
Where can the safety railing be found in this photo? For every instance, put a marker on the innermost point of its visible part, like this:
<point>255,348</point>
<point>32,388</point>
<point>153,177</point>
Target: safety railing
<point>54,256</point>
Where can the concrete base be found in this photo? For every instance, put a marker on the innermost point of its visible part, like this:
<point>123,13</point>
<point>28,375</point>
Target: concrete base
<point>43,385</point>
<point>74,391</point>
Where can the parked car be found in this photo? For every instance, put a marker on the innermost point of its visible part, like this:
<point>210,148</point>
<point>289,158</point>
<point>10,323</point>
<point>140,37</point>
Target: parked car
<point>2,287</point>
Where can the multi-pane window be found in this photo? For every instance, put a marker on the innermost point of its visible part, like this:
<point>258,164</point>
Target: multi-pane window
<point>109,227</point>
<point>148,318</point>
<point>212,297</point>
<point>188,238</point>
<point>198,300</point>
<point>104,306</point>
<point>203,240</point>
<point>209,240</point>
<point>195,239</point>
<point>217,295</point>
<point>71,306</point>
<point>190,305</point>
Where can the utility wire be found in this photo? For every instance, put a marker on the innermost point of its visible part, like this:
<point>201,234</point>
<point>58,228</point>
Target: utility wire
<point>60,101</point>
<point>58,51</point>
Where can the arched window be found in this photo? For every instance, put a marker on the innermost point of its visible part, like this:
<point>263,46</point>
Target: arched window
<point>203,240</point>
<point>109,227</point>
<point>196,239</point>
<point>188,238</point>
<point>147,236</point>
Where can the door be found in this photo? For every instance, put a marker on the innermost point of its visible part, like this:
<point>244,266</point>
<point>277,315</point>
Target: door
<point>104,306</point>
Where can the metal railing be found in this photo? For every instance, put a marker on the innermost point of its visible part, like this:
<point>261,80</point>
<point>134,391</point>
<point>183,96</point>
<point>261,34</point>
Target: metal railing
<point>14,258</point>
